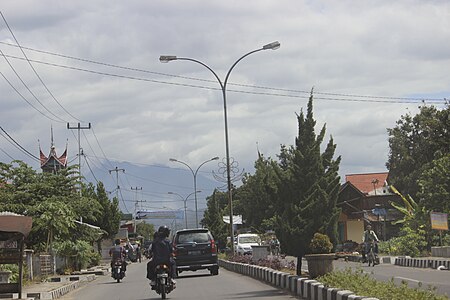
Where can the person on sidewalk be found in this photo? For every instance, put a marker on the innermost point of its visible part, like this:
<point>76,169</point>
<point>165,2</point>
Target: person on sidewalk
<point>139,253</point>
<point>369,237</point>
<point>161,253</point>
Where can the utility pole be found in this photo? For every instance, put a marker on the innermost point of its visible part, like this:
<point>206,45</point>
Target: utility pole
<point>79,127</point>
<point>117,179</point>
<point>136,205</point>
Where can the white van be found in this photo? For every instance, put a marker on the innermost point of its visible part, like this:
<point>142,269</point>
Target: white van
<point>245,241</point>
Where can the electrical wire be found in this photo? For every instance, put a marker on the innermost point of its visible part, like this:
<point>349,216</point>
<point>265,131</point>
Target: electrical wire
<point>21,96</point>
<point>34,70</point>
<point>89,167</point>
<point>6,153</point>
<point>29,90</point>
<point>235,84</point>
<point>17,145</point>
<point>368,99</point>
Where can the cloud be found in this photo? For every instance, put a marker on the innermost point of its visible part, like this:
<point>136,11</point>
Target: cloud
<point>356,55</point>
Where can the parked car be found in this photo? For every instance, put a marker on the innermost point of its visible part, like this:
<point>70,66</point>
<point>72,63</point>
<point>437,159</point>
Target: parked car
<point>245,241</point>
<point>195,249</point>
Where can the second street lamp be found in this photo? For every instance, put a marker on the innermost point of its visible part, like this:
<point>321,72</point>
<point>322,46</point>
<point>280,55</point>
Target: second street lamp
<point>185,206</point>
<point>194,173</point>
<point>223,86</point>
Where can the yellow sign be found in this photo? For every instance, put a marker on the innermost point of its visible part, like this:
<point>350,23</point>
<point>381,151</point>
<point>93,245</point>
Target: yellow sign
<point>439,221</point>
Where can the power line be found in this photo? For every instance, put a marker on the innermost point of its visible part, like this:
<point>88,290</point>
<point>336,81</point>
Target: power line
<point>17,91</point>
<point>87,163</point>
<point>34,70</point>
<point>17,145</point>
<point>367,98</point>
<point>26,86</point>
<point>6,153</point>
<point>213,81</point>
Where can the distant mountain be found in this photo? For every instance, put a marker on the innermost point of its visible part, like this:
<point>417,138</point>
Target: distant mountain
<point>147,187</point>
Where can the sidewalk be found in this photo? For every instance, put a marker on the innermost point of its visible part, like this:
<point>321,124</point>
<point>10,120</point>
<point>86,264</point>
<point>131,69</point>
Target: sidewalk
<point>59,285</point>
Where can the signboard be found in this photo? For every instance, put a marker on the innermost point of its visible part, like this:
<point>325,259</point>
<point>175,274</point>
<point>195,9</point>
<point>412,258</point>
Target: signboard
<point>237,220</point>
<point>439,221</point>
<point>160,214</point>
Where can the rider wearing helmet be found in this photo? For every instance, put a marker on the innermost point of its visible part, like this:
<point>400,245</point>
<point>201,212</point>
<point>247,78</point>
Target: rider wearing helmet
<point>161,252</point>
<point>118,253</point>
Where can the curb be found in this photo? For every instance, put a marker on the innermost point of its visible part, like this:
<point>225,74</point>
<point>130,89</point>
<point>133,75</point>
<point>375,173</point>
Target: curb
<point>73,283</point>
<point>301,287</point>
<point>422,262</point>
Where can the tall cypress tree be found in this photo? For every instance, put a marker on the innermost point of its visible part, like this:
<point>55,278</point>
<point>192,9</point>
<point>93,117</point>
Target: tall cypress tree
<point>307,189</point>
<point>213,217</point>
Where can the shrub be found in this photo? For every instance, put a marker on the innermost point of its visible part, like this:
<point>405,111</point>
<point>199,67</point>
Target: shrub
<point>409,243</point>
<point>269,262</point>
<point>362,284</point>
<point>14,271</point>
<point>320,244</point>
<point>77,253</point>
<point>94,258</point>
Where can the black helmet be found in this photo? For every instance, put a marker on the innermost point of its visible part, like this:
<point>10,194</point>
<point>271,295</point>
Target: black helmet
<point>117,242</point>
<point>164,231</point>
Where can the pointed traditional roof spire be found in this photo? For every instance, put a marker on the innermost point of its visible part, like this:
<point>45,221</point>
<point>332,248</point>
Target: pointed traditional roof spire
<point>53,163</point>
<point>51,129</point>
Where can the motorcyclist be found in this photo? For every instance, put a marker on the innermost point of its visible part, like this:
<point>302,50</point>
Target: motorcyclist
<point>118,253</point>
<point>274,245</point>
<point>369,237</point>
<point>161,252</point>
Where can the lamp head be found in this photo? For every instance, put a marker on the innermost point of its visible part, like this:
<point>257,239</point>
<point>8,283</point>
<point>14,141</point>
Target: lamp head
<point>272,46</point>
<point>167,58</point>
<point>215,158</point>
<point>173,159</point>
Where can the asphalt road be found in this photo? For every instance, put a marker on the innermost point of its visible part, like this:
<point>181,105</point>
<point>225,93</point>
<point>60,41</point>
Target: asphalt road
<point>190,285</point>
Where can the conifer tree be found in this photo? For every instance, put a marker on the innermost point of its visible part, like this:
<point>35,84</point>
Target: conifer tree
<point>213,219</point>
<point>307,189</point>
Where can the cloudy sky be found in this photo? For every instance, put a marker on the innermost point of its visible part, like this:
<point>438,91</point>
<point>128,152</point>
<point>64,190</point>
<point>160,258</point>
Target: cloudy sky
<point>98,62</point>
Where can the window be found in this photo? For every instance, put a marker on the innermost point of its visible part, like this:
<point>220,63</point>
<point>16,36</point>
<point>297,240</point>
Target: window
<point>197,237</point>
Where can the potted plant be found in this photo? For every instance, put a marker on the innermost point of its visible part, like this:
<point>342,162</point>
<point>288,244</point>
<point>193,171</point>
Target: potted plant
<point>320,261</point>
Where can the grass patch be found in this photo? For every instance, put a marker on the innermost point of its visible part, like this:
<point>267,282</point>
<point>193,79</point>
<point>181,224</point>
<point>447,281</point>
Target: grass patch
<point>363,285</point>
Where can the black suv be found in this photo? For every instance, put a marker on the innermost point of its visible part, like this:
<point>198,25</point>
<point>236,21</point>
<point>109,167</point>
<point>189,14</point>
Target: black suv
<point>195,249</point>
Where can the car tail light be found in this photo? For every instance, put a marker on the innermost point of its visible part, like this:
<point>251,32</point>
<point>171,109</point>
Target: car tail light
<point>175,249</point>
<point>213,247</point>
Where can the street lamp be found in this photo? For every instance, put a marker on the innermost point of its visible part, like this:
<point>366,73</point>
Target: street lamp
<point>223,86</point>
<point>185,206</point>
<point>194,173</point>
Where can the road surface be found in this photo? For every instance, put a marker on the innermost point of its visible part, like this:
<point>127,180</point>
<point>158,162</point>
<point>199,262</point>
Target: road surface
<point>190,286</point>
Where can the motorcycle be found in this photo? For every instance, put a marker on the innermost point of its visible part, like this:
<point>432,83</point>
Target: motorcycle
<point>164,284</point>
<point>117,271</point>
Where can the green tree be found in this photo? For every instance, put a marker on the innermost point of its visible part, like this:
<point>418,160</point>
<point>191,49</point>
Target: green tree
<point>146,230</point>
<point>109,215</point>
<point>55,218</point>
<point>307,189</point>
<point>415,142</point>
<point>256,200</point>
<point>434,185</point>
<point>213,217</point>
<point>54,202</point>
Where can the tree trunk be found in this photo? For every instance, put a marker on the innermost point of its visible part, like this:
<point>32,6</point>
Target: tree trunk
<point>299,265</point>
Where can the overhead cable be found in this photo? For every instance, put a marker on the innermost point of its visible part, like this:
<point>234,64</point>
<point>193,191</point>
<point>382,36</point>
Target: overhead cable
<point>34,70</point>
<point>367,99</point>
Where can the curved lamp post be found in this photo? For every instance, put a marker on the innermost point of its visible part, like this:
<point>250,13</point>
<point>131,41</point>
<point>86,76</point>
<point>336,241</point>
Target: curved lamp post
<point>185,206</point>
<point>223,86</point>
<point>194,173</point>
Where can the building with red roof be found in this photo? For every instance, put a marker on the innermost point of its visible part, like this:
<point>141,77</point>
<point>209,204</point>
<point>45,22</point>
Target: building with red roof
<point>365,199</point>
